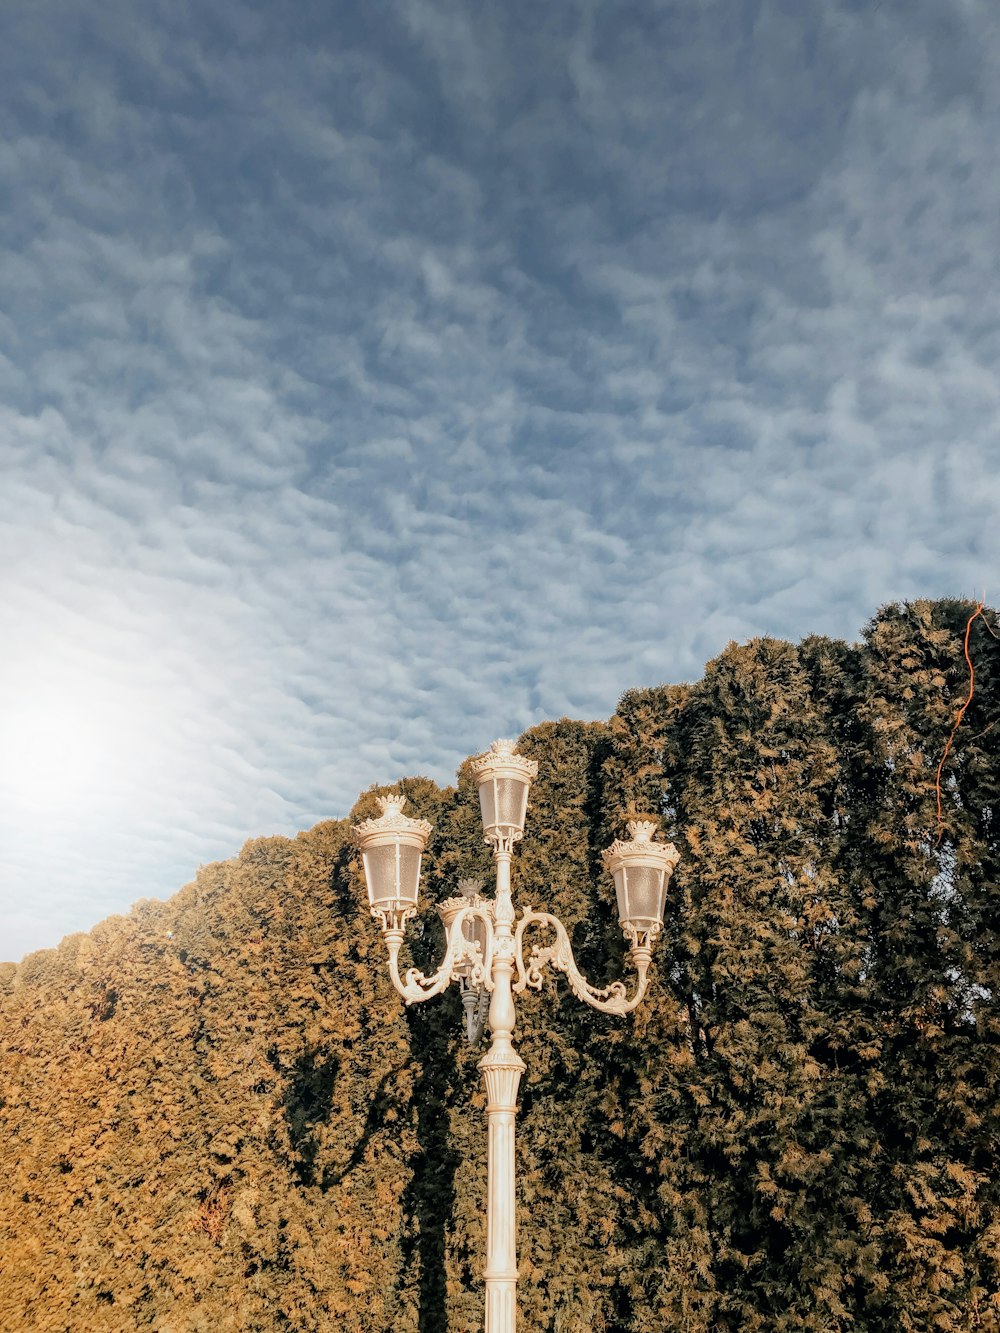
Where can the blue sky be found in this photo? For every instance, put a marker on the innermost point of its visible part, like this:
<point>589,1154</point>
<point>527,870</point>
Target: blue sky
<point>379,379</point>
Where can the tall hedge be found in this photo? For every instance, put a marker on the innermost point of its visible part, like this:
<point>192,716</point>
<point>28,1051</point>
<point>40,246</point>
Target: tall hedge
<point>216,1114</point>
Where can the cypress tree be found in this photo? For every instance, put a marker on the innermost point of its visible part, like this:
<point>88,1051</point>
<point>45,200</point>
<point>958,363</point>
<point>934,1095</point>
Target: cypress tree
<point>216,1113</point>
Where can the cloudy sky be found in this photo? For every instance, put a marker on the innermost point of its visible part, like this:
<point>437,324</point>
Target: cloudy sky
<point>380,378</point>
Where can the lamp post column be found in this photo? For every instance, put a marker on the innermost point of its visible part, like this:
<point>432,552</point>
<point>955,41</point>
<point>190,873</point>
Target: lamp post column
<point>481,937</point>
<point>502,1069</point>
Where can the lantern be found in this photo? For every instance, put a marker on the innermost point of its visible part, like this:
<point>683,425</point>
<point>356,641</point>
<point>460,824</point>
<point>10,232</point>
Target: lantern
<point>641,869</point>
<point>391,847</point>
<point>503,778</point>
<point>473,928</point>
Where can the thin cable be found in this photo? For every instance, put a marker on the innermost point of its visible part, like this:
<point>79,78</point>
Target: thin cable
<point>961,713</point>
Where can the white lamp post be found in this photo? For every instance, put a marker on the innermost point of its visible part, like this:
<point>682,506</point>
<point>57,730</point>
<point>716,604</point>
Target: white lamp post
<point>484,950</point>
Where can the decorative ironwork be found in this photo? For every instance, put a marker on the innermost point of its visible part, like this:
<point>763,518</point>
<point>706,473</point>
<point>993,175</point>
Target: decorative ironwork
<point>610,999</point>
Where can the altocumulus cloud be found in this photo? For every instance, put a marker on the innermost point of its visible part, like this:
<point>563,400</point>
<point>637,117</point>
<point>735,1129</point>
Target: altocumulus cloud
<point>378,381</point>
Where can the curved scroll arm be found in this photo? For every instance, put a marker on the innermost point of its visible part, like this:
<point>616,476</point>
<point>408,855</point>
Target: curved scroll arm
<point>611,999</point>
<point>463,959</point>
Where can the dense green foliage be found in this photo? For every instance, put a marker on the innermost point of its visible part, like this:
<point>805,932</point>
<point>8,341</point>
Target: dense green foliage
<point>216,1113</point>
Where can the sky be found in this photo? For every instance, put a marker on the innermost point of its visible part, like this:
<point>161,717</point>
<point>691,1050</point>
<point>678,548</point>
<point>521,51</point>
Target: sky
<point>379,379</point>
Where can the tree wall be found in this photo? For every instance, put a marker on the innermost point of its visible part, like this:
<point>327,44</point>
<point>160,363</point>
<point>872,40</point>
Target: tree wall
<point>215,1113</point>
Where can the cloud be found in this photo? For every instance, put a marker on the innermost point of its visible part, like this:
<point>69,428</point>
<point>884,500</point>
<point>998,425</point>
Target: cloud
<point>372,390</point>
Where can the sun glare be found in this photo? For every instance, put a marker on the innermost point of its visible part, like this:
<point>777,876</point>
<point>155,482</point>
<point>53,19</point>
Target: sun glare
<point>57,748</point>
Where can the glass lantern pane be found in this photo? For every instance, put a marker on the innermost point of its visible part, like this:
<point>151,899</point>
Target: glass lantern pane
<point>486,803</point>
<point>620,893</point>
<point>644,893</point>
<point>409,874</point>
<point>475,931</point>
<point>511,793</point>
<point>380,872</point>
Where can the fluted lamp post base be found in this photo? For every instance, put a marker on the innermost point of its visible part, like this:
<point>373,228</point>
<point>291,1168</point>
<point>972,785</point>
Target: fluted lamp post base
<point>502,1070</point>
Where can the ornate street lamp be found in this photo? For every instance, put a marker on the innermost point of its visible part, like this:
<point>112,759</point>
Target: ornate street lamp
<point>484,950</point>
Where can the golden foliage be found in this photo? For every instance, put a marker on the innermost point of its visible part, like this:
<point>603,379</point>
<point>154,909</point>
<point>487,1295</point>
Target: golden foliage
<point>215,1113</point>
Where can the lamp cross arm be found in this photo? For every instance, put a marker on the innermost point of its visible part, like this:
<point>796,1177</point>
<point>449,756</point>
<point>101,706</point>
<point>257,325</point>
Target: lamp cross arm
<point>611,999</point>
<point>464,959</point>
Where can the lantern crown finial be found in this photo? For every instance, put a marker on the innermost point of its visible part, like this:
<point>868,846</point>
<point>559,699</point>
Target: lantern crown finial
<point>502,755</point>
<point>641,844</point>
<point>392,819</point>
<point>642,829</point>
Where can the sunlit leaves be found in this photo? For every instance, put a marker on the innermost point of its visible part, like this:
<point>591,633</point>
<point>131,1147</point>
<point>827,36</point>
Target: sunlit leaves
<point>217,1114</point>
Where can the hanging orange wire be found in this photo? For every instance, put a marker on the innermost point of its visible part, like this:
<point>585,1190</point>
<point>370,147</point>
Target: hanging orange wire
<point>961,713</point>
